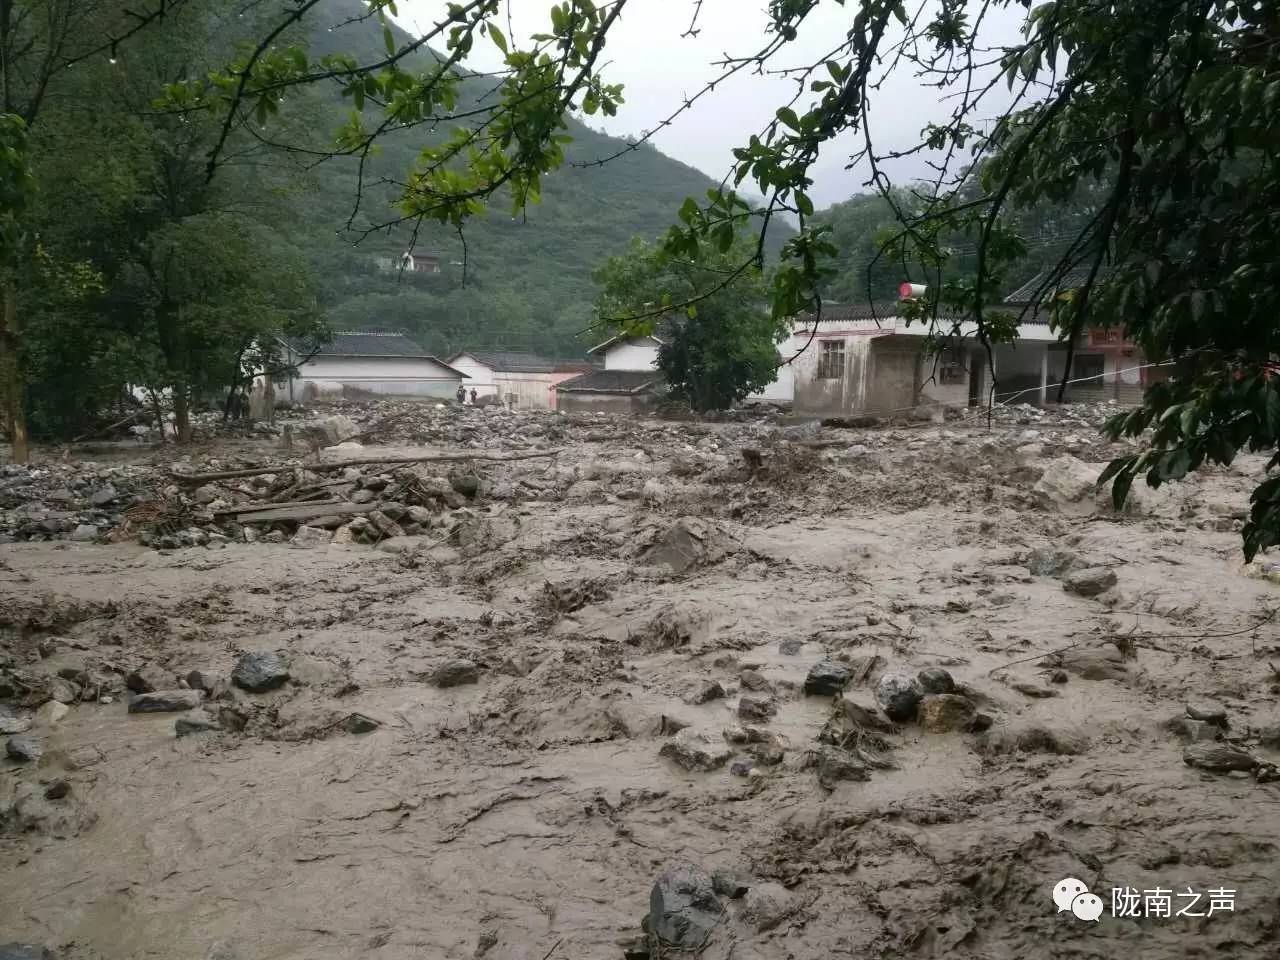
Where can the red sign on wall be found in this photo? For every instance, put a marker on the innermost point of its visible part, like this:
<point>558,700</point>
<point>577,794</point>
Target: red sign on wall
<point>1099,337</point>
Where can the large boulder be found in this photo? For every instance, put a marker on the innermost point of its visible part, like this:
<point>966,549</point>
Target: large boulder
<point>946,712</point>
<point>827,679</point>
<point>456,673</point>
<point>260,671</point>
<point>899,695</point>
<point>1090,581</point>
<point>1066,479</point>
<point>165,701</point>
<point>694,752</point>
<point>683,909</point>
<point>337,428</point>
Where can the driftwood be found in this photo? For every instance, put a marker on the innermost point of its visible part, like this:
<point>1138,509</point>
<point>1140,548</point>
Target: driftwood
<point>300,511</point>
<point>199,478</point>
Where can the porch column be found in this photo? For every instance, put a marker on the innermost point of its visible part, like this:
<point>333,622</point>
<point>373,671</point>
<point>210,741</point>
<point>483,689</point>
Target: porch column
<point>1044,376</point>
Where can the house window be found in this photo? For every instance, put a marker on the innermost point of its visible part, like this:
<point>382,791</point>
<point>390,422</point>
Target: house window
<point>830,359</point>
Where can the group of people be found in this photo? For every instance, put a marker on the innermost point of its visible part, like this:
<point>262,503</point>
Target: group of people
<point>462,394</point>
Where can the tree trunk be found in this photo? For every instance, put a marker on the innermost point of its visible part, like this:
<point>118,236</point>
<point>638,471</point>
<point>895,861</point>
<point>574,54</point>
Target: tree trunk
<point>181,415</point>
<point>11,386</point>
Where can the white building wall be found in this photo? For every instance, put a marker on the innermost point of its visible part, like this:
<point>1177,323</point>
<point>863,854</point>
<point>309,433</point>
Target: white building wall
<point>409,376</point>
<point>479,377</point>
<point>632,355</point>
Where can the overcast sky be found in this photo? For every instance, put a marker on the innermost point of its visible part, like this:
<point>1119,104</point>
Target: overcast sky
<point>659,68</point>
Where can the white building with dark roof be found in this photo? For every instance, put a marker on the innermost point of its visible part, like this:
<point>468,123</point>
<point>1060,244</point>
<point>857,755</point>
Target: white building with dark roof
<point>525,380</point>
<point>372,361</point>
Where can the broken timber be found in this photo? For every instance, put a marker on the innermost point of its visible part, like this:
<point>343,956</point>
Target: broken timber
<point>300,511</point>
<point>199,478</point>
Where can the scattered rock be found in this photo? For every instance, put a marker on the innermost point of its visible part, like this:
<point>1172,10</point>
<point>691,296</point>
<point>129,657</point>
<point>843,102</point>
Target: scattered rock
<point>63,691</point>
<point>936,680</point>
<point>899,695</point>
<point>359,723</point>
<point>683,909</point>
<point>260,671</point>
<point>147,679</point>
<point>1092,663</point>
<point>1209,712</point>
<point>945,712</point>
<point>13,722</point>
<point>757,709</point>
<point>455,673</point>
<point>1050,561</point>
<point>826,678</point>
<point>210,683</point>
<point>753,680</point>
<point>24,951</point>
<point>727,883</point>
<point>467,484</point>
<point>1218,757</point>
<point>766,905</point>
<point>197,722</point>
<point>790,648</point>
<point>52,712</point>
<point>57,789</point>
<point>688,543</point>
<point>517,665</point>
<point>311,537</point>
<point>23,749</point>
<point>165,701</point>
<point>708,691</point>
<point>694,752</point>
<point>1034,690</point>
<point>835,765</point>
<point>1090,581</point>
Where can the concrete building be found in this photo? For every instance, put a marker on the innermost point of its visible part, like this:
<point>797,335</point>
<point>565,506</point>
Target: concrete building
<point>368,360</point>
<point>524,379</point>
<point>629,382</point>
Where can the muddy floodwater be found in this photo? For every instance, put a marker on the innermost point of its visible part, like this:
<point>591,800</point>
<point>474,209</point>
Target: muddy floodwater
<point>645,653</point>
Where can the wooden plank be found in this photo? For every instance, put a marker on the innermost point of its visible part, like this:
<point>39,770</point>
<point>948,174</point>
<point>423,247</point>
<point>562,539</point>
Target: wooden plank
<point>306,510</point>
<point>199,478</point>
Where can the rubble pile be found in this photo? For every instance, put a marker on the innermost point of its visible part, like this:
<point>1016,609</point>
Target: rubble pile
<point>76,501</point>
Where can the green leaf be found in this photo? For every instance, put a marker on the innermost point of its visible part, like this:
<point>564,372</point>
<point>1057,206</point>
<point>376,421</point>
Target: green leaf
<point>804,204</point>
<point>389,39</point>
<point>788,116</point>
<point>498,37</point>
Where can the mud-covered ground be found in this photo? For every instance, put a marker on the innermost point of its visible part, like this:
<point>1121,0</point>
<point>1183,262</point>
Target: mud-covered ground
<point>528,814</point>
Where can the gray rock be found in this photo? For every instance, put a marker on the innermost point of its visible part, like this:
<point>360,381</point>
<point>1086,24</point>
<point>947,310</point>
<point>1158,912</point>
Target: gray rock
<point>757,709</point>
<point>57,789</point>
<point>102,496</point>
<point>359,723</point>
<point>767,905</point>
<point>210,683</point>
<point>708,691</point>
<point>790,648</point>
<point>198,722</point>
<point>311,537</point>
<point>85,533</point>
<point>467,484</point>
<point>146,679</point>
<point>206,495</point>
<point>1050,561</point>
<point>1208,711</point>
<point>683,909</point>
<point>385,525</point>
<point>1090,581</point>
<point>1269,736</point>
<point>945,712</point>
<point>802,431</point>
<point>1094,663</point>
<point>455,673</point>
<point>936,680</point>
<point>1066,479</point>
<point>899,695</point>
<point>23,749</point>
<point>694,752</point>
<point>826,678</point>
<point>1218,757</point>
<point>729,884</point>
<point>363,496</point>
<point>13,722</point>
<point>753,680</point>
<point>1030,736</point>
<point>260,671</point>
<point>63,691</point>
<point>165,701</point>
<point>835,765</point>
<point>24,951</point>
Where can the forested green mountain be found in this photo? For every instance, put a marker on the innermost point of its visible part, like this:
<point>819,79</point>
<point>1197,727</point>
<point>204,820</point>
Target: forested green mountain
<point>528,278</point>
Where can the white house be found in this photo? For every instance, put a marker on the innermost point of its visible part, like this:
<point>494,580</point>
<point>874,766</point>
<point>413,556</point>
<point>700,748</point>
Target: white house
<point>629,382</point>
<point>370,360</point>
<point>526,379</point>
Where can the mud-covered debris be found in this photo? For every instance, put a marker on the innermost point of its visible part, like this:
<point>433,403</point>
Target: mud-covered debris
<point>210,683</point>
<point>1033,690</point>
<point>827,678</point>
<point>694,752</point>
<point>1025,736</point>
<point>1208,711</point>
<point>260,671</point>
<point>945,713</point>
<point>766,905</point>
<point>456,673</point>
<point>730,883</point>
<point>1091,663</point>
<point>1197,731</point>
<point>673,626</point>
<point>165,701</point>
<point>899,695</point>
<point>569,596</point>
<point>467,484</point>
<point>754,680</point>
<point>707,691</point>
<point>195,722</point>
<point>936,680</point>
<point>29,811</point>
<point>757,709</point>
<point>1089,582</point>
<point>683,909</point>
<point>51,713</point>
<point>790,648</point>
<point>11,721</point>
<point>23,749</point>
<point>1218,757</point>
<point>1050,560</point>
<point>308,536</point>
<point>689,542</point>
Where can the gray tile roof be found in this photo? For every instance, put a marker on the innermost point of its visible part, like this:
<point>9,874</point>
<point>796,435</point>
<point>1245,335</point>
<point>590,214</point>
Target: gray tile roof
<point>612,381</point>
<point>367,343</point>
<point>867,310</point>
<point>505,361</point>
<point>1073,279</point>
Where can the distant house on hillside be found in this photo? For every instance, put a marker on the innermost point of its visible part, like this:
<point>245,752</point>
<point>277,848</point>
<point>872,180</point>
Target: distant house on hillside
<point>629,383</point>
<point>372,360</point>
<point>409,263</point>
<point>528,378</point>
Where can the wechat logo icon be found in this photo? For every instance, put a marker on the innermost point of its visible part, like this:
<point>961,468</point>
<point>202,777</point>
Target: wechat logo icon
<point>1072,895</point>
